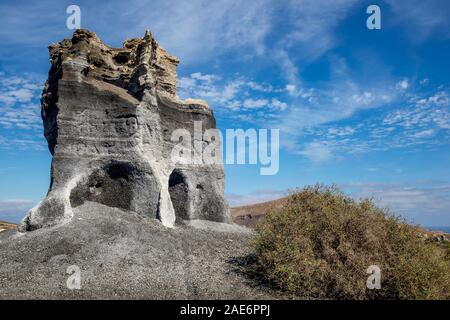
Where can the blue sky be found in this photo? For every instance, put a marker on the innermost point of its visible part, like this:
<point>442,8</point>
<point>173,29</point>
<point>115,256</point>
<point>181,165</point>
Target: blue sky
<point>368,110</point>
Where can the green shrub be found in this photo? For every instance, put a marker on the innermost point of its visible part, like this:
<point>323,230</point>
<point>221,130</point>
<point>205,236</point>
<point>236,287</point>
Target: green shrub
<point>320,244</point>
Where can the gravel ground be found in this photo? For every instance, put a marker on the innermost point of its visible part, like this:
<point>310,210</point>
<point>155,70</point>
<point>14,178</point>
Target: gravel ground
<point>124,256</point>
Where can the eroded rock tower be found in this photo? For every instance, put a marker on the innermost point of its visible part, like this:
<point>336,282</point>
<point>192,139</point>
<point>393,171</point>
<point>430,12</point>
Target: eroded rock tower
<point>108,118</point>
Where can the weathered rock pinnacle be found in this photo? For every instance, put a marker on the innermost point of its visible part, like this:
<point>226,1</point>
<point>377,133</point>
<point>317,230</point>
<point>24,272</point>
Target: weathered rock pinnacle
<point>108,117</point>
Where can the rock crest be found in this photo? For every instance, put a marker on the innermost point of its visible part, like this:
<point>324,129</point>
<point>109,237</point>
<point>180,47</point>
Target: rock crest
<point>108,116</point>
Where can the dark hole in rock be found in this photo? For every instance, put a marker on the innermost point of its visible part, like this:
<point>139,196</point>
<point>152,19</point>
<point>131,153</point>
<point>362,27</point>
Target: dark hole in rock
<point>120,185</point>
<point>122,57</point>
<point>121,170</point>
<point>178,190</point>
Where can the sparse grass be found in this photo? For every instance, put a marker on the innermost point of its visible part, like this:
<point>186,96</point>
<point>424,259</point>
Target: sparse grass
<point>321,242</point>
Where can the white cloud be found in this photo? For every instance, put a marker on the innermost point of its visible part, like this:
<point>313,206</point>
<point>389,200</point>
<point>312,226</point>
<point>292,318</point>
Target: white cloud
<point>364,98</point>
<point>320,131</point>
<point>22,95</point>
<point>14,210</point>
<point>424,133</point>
<point>278,105</point>
<point>204,77</point>
<point>20,112</point>
<point>317,152</point>
<point>403,84</point>
<point>18,89</point>
<point>207,87</point>
<point>336,101</point>
<point>418,201</point>
<point>441,98</point>
<point>16,102</point>
<point>422,112</point>
<point>204,30</point>
<point>255,103</point>
<point>14,203</point>
<point>312,25</point>
<point>341,132</point>
<point>236,94</point>
<point>274,104</point>
<point>291,89</point>
<point>304,93</point>
<point>200,30</point>
<point>263,87</point>
<point>421,19</point>
<point>311,120</point>
<point>8,205</point>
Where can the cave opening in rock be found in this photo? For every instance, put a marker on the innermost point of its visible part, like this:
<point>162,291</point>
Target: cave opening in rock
<point>112,186</point>
<point>122,57</point>
<point>179,195</point>
<point>121,185</point>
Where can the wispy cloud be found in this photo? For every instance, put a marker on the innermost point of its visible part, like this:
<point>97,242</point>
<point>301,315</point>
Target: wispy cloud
<point>322,124</point>
<point>403,114</point>
<point>235,98</point>
<point>312,26</point>
<point>328,105</point>
<point>403,84</point>
<point>20,111</point>
<point>421,19</point>
<point>14,210</point>
<point>201,30</point>
<point>198,29</point>
<point>418,201</point>
<point>18,96</point>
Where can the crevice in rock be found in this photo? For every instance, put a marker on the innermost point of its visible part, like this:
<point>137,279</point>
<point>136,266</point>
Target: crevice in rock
<point>179,195</point>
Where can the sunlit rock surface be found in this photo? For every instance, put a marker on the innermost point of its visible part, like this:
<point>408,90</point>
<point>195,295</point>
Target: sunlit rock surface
<point>108,117</point>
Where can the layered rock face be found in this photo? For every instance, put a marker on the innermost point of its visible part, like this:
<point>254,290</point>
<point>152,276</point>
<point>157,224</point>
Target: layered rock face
<point>108,118</point>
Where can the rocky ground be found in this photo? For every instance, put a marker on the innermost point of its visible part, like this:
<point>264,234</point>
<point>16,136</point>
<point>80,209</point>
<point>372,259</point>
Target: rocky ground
<point>6,226</point>
<point>123,255</point>
<point>250,215</point>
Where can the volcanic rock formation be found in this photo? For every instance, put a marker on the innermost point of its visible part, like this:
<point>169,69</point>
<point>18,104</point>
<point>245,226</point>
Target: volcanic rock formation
<point>108,118</point>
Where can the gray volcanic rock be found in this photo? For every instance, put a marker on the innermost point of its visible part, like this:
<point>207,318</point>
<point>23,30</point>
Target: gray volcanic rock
<point>121,254</point>
<point>115,188</point>
<point>109,115</point>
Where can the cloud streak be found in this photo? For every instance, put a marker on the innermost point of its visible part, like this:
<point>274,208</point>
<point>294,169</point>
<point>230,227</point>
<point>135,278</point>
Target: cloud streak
<point>20,112</point>
<point>13,210</point>
<point>417,201</point>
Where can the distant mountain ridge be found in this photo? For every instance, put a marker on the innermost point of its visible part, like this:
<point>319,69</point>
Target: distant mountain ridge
<point>250,215</point>
<point>7,225</point>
